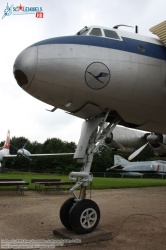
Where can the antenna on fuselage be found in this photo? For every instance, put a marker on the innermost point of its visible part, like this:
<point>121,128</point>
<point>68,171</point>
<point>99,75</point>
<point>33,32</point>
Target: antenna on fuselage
<point>136,29</point>
<point>117,26</point>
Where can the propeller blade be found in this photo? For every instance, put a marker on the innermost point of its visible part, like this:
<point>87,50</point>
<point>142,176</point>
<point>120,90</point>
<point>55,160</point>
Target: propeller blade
<point>27,157</point>
<point>13,146</point>
<point>163,145</point>
<point>137,152</point>
<point>25,144</point>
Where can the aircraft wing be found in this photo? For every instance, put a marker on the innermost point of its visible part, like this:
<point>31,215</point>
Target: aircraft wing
<point>9,156</point>
<point>33,155</point>
<point>56,154</point>
<point>160,31</point>
<point>118,167</point>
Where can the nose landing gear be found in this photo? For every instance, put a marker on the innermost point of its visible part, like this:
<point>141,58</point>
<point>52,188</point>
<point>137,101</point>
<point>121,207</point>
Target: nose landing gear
<point>78,213</point>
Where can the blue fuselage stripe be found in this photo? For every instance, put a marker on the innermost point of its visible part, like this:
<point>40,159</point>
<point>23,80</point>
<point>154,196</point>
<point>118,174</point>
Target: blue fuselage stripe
<point>127,44</point>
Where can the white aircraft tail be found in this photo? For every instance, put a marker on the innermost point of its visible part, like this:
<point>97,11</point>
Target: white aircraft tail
<point>7,142</point>
<point>118,160</point>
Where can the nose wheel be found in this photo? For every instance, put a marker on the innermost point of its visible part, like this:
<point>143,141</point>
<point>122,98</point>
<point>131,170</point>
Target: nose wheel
<point>82,217</point>
<point>64,212</point>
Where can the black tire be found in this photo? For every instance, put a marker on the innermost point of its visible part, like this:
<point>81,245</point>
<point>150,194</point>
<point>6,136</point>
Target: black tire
<point>84,216</point>
<point>64,212</point>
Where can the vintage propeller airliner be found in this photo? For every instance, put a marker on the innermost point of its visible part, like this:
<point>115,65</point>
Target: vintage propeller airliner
<point>5,151</point>
<point>106,76</point>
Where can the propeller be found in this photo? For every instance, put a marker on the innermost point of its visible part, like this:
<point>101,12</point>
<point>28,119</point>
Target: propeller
<point>137,152</point>
<point>22,152</point>
<point>153,139</point>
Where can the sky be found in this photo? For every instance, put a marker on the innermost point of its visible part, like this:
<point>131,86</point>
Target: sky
<point>23,114</point>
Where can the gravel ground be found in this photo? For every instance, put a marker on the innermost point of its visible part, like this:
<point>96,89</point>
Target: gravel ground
<point>136,218</point>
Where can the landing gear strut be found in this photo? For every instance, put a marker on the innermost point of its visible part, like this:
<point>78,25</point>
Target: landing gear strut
<point>78,213</point>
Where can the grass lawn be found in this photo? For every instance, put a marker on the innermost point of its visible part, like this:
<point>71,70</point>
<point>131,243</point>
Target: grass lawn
<point>101,183</point>
<point>98,182</point>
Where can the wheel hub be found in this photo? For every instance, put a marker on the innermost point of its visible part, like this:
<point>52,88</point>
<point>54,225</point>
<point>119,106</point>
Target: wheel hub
<point>88,218</point>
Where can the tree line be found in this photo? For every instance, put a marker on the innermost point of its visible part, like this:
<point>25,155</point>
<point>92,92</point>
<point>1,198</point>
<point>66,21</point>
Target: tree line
<point>103,159</point>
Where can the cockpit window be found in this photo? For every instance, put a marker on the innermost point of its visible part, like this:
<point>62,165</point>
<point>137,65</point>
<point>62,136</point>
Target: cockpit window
<point>95,32</point>
<point>83,32</point>
<point>111,34</point>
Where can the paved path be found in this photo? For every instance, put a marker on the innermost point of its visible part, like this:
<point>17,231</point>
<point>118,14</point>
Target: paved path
<point>135,217</point>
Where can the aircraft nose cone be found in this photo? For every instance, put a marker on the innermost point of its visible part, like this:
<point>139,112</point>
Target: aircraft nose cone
<point>25,66</point>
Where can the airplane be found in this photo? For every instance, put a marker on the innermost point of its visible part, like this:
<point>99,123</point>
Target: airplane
<point>138,168</point>
<point>106,76</point>
<point>127,140</point>
<point>5,151</point>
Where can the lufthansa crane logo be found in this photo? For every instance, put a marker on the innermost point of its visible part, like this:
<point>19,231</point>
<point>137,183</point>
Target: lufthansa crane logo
<point>97,75</point>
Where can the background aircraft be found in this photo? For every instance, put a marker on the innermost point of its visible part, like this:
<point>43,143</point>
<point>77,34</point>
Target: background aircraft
<point>5,151</point>
<point>106,76</point>
<point>144,166</point>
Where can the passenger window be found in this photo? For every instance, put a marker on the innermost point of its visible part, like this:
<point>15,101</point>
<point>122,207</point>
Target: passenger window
<point>111,34</point>
<point>95,32</point>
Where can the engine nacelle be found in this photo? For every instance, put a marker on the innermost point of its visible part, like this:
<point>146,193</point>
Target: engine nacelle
<point>157,143</point>
<point>154,139</point>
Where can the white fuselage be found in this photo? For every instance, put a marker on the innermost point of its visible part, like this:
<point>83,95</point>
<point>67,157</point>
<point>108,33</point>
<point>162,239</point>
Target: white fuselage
<point>146,166</point>
<point>64,72</point>
<point>3,152</point>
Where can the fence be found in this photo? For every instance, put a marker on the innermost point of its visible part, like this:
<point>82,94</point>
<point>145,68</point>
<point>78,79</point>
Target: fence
<point>112,174</point>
